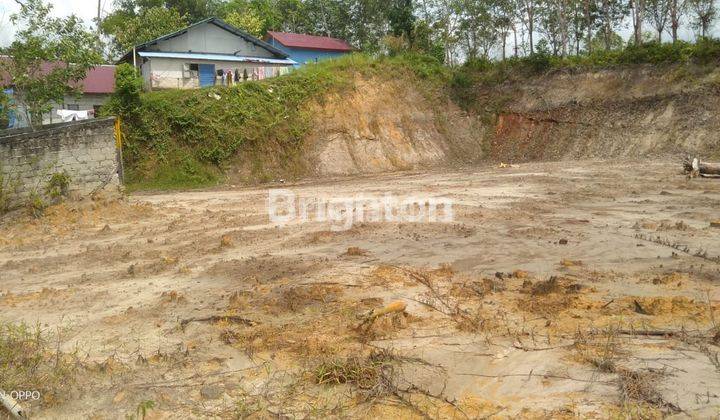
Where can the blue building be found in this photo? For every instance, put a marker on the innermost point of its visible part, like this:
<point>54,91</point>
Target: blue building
<point>306,49</point>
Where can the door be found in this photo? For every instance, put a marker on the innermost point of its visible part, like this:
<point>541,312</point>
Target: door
<point>207,74</point>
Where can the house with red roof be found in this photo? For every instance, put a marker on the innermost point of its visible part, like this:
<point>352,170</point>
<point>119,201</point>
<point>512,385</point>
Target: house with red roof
<point>305,49</point>
<point>95,89</point>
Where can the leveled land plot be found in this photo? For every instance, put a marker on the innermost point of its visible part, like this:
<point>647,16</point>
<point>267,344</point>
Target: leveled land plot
<point>575,288</point>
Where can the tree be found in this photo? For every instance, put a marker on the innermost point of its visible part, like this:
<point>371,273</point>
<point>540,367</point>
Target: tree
<point>401,19</point>
<point>676,9</point>
<point>637,7</point>
<point>146,26</point>
<point>4,110</point>
<point>193,10</point>
<point>476,28</point>
<point>48,58</point>
<point>610,14</point>
<point>504,16</point>
<point>704,13</point>
<point>125,100</point>
<point>657,15</point>
<point>527,15</point>
<point>553,24</point>
<point>248,21</point>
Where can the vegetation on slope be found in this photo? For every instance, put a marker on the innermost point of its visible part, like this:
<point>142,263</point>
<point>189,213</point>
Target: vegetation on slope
<point>190,138</point>
<point>704,52</point>
<point>186,138</point>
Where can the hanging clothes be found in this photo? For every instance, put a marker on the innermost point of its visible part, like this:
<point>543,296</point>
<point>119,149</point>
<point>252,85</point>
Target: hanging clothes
<point>245,74</point>
<point>255,74</point>
<point>237,75</point>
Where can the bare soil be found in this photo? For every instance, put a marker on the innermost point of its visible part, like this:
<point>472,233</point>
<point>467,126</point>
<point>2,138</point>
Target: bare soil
<point>566,289</point>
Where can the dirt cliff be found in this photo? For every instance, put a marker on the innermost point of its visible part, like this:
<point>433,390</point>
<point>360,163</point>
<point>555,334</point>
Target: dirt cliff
<point>387,125</point>
<point>631,112</point>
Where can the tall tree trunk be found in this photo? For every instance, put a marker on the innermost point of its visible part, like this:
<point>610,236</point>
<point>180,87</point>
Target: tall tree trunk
<point>504,42</point>
<point>515,44</point>
<point>531,26</point>
<point>563,28</point>
<point>638,12</point>
<point>588,22</point>
<point>606,23</point>
<point>674,19</point>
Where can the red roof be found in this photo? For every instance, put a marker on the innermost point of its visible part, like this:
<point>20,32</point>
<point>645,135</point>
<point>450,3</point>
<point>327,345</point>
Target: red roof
<point>100,79</point>
<point>312,42</point>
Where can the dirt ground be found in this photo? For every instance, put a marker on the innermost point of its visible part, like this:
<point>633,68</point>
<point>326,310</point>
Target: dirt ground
<point>565,289</point>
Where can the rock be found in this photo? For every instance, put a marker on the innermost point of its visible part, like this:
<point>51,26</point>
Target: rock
<point>119,397</point>
<point>211,392</point>
<point>563,241</point>
<point>715,224</point>
<point>225,241</point>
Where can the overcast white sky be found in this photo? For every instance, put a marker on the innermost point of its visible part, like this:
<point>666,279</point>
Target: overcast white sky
<point>85,9</point>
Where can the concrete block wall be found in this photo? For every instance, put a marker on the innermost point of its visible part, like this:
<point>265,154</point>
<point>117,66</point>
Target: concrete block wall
<point>85,150</point>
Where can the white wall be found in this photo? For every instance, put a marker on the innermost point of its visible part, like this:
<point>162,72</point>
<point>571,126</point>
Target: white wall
<point>209,38</point>
<point>166,73</point>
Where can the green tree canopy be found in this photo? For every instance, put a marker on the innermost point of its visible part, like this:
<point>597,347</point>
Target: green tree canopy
<point>146,26</point>
<point>48,58</point>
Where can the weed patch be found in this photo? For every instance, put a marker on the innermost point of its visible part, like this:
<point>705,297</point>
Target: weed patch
<point>28,361</point>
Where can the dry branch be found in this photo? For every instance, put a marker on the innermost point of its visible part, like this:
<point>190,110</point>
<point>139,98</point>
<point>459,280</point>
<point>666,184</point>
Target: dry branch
<point>220,318</point>
<point>697,168</point>
<point>397,306</point>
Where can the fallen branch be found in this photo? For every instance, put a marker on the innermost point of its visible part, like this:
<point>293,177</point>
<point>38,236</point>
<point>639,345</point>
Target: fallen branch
<point>397,306</point>
<point>537,375</point>
<point>220,318</point>
<point>13,407</point>
<point>696,168</point>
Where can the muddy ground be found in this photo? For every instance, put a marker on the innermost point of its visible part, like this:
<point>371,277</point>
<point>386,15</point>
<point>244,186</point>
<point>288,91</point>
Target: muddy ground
<point>564,289</point>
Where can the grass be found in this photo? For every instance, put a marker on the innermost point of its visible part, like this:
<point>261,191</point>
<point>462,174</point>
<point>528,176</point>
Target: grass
<point>255,130</point>
<point>190,138</point>
<point>29,362</point>
<point>372,375</point>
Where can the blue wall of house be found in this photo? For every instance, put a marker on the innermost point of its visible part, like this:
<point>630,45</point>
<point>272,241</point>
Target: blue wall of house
<point>304,55</point>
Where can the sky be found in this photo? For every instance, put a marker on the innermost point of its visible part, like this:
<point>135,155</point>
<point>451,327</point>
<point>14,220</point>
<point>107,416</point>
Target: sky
<point>85,9</point>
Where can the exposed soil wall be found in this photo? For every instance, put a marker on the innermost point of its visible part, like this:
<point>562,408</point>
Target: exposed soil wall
<point>625,113</point>
<point>619,113</point>
<point>389,125</point>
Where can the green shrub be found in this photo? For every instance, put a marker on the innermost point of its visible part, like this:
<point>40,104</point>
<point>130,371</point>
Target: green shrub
<point>58,185</point>
<point>184,138</point>
<point>705,51</point>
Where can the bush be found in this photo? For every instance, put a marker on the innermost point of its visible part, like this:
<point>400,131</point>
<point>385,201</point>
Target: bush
<point>185,138</point>
<point>126,98</point>
<point>705,51</point>
<point>654,53</point>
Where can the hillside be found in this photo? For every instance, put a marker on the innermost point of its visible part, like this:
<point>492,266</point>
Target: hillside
<point>632,111</point>
<point>362,115</point>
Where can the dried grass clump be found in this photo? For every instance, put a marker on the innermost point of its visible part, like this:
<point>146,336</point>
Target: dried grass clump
<point>28,361</point>
<point>373,375</point>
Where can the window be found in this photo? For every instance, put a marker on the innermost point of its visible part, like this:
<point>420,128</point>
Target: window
<point>189,70</point>
<point>73,107</point>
